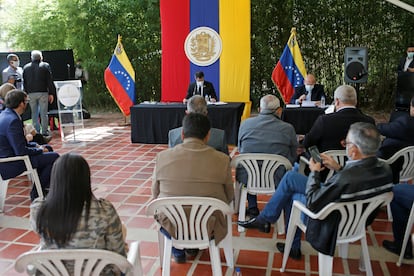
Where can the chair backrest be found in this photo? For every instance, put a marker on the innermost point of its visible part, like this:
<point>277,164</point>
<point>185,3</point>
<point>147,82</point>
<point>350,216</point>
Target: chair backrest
<point>407,171</point>
<point>354,215</point>
<point>86,262</point>
<point>339,156</point>
<point>260,168</point>
<point>190,216</point>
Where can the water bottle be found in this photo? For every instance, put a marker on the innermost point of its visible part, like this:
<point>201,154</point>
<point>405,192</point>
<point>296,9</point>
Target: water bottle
<point>237,272</point>
<point>323,101</point>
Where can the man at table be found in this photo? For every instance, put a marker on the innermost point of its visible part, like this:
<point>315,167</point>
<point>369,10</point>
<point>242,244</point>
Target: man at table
<point>201,87</point>
<point>329,130</point>
<point>217,139</point>
<point>266,133</point>
<point>309,91</point>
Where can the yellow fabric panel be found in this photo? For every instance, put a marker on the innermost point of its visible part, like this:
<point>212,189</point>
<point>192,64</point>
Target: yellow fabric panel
<point>235,57</point>
<point>296,54</point>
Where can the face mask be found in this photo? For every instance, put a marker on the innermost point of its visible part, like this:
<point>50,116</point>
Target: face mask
<point>200,83</point>
<point>15,63</point>
<point>309,87</point>
<point>410,55</point>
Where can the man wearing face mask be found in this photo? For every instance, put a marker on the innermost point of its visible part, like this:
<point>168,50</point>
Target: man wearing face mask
<point>407,63</point>
<point>13,72</point>
<point>201,87</point>
<point>310,91</point>
<point>363,176</point>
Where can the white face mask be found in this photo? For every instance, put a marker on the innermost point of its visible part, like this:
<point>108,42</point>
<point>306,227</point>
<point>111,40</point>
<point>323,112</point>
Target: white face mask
<point>15,63</point>
<point>309,87</point>
<point>200,83</point>
<point>410,55</point>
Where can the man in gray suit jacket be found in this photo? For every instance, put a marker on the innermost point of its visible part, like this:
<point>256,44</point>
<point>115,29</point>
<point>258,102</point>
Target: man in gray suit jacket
<point>197,104</point>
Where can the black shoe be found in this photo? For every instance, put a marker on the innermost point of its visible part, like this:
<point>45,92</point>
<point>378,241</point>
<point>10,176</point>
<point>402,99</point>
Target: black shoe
<point>295,253</point>
<point>192,252</point>
<point>253,212</point>
<point>180,259</point>
<point>392,247</point>
<point>253,223</point>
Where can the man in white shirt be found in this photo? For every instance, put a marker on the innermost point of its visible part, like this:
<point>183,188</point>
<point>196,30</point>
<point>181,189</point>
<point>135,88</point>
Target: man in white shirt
<point>13,73</point>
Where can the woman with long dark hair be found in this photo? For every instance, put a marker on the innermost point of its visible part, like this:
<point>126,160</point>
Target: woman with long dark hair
<point>71,216</point>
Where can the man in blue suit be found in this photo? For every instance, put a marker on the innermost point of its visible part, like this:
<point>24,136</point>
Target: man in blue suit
<point>13,143</point>
<point>217,140</point>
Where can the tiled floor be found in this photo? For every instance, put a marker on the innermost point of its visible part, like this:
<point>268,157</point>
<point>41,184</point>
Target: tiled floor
<point>121,172</point>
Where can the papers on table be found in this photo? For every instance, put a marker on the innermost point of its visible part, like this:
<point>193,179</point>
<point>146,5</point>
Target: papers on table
<point>292,106</point>
<point>217,103</point>
<point>308,104</point>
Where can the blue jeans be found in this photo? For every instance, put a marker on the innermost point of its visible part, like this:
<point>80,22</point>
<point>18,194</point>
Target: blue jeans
<point>291,187</point>
<point>39,103</point>
<point>400,208</point>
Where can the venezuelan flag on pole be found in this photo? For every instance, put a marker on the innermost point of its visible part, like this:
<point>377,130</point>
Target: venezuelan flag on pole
<point>290,69</point>
<point>120,79</point>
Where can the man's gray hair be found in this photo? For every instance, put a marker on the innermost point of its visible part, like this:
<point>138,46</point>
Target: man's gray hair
<point>36,55</point>
<point>365,136</point>
<point>269,102</point>
<point>346,94</point>
<point>197,104</point>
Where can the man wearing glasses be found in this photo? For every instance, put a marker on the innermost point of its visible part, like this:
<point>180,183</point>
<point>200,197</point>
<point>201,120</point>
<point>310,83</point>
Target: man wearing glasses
<point>363,176</point>
<point>13,143</point>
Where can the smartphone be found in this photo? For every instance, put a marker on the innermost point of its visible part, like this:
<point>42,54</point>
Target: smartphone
<point>314,152</point>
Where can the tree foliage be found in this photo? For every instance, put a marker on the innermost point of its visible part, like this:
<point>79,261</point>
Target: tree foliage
<point>324,27</point>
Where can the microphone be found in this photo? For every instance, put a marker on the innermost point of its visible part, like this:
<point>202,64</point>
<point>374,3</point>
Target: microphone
<point>68,66</point>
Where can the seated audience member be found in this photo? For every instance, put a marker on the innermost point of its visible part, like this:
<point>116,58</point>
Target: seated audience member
<point>309,91</point>
<point>193,169</point>
<point>4,88</point>
<point>266,133</point>
<point>217,140</point>
<point>13,143</point>
<point>71,217</point>
<point>400,207</point>
<point>399,133</point>
<point>363,175</point>
<point>201,87</point>
<point>329,130</point>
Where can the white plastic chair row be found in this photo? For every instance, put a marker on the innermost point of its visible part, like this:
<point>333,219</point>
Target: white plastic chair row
<point>192,231</point>
<point>354,215</point>
<point>87,262</point>
<point>30,172</point>
<point>260,180</point>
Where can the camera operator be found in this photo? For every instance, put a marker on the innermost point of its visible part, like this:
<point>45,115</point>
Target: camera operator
<point>13,73</point>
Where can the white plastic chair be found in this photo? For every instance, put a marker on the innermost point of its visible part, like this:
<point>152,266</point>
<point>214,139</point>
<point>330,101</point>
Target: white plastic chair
<point>339,156</point>
<point>30,172</point>
<point>192,232</point>
<point>354,215</point>
<point>259,180</point>
<point>406,235</point>
<point>407,170</point>
<point>87,262</point>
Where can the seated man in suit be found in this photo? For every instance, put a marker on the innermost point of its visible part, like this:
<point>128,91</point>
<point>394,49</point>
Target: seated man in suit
<point>201,87</point>
<point>13,143</point>
<point>217,140</point>
<point>407,63</point>
<point>362,177</point>
<point>266,133</point>
<point>399,133</point>
<point>310,91</point>
<point>193,169</point>
<point>329,130</point>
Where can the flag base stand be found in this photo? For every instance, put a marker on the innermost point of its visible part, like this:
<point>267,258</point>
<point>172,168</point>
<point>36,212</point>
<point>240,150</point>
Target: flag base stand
<point>127,121</point>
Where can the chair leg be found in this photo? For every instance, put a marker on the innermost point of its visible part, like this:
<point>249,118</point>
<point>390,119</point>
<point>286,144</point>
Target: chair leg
<point>242,208</point>
<point>281,224</point>
<point>166,266</point>
<point>365,259</point>
<point>325,264</point>
<point>293,225</point>
<point>215,258</point>
<point>389,213</point>
<point>161,245</point>
<point>3,191</point>
<point>343,250</point>
<point>406,235</point>
<point>227,244</point>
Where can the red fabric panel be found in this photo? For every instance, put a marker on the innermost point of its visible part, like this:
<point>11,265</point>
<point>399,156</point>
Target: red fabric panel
<point>282,81</point>
<point>175,67</point>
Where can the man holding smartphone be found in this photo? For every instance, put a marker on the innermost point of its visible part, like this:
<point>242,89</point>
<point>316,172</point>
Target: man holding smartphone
<point>363,172</point>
